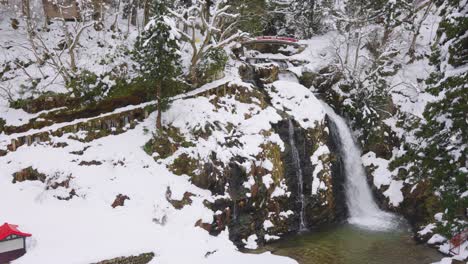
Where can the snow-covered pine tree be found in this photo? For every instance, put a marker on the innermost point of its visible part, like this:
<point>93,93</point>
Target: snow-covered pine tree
<point>157,54</point>
<point>440,154</point>
<point>306,16</point>
<point>255,15</point>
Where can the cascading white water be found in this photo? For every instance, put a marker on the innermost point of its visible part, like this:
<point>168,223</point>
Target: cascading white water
<point>297,166</point>
<point>363,210</point>
<point>288,76</point>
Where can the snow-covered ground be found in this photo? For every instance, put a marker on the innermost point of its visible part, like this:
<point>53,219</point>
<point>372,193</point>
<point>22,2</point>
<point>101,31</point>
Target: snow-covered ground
<point>87,229</point>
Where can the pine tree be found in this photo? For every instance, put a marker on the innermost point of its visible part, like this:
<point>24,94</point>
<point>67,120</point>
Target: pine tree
<point>441,150</point>
<point>306,19</point>
<point>157,54</point>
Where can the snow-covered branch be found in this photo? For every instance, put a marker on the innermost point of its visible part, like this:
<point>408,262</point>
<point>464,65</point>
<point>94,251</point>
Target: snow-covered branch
<point>205,26</point>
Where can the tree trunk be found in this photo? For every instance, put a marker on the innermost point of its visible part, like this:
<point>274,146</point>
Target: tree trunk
<point>134,12</point>
<point>159,98</point>
<point>26,9</point>
<point>412,48</point>
<point>146,12</point>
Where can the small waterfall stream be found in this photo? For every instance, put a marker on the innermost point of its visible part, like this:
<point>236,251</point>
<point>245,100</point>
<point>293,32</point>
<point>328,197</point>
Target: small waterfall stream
<point>297,166</point>
<point>363,210</point>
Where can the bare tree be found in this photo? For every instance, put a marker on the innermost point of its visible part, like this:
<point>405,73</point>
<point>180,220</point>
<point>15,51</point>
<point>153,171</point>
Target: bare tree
<point>6,92</point>
<point>206,25</point>
<point>412,49</point>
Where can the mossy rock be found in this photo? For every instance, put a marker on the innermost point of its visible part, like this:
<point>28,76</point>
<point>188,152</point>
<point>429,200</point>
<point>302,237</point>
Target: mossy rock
<point>166,142</point>
<point>184,164</point>
<point>46,101</point>
<point>28,174</point>
<point>420,204</point>
<point>308,79</point>
<point>140,259</point>
<point>267,73</point>
<point>272,152</point>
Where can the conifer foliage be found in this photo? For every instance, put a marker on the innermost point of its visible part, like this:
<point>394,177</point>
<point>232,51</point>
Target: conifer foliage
<point>441,151</point>
<point>157,54</point>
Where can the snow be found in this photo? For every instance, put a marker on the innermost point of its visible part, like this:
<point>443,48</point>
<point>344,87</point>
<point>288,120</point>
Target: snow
<point>436,239</point>
<point>251,242</point>
<point>298,101</point>
<point>281,190</point>
<point>382,176</point>
<point>286,214</point>
<point>315,159</point>
<point>267,180</point>
<point>267,224</point>
<point>271,238</point>
<point>191,114</point>
<point>88,222</point>
<point>427,229</point>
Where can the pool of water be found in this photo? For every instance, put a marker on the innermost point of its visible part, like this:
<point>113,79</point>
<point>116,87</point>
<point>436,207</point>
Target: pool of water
<point>348,244</point>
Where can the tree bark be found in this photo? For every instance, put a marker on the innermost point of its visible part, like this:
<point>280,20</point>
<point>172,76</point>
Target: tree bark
<point>159,98</point>
<point>412,48</point>
<point>146,12</point>
<point>26,9</point>
<point>134,12</point>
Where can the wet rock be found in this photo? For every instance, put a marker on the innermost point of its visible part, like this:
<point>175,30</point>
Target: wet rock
<point>420,204</point>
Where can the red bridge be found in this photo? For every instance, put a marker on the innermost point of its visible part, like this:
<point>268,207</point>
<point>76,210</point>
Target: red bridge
<point>457,241</point>
<point>275,40</point>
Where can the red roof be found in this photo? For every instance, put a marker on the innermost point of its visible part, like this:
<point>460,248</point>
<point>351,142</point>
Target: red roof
<point>8,229</point>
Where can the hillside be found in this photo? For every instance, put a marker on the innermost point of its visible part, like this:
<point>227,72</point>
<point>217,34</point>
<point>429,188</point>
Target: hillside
<point>227,131</point>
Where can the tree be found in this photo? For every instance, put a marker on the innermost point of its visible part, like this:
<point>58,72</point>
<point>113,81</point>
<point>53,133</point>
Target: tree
<point>206,25</point>
<point>439,152</point>
<point>255,15</point>
<point>157,54</point>
<point>306,16</point>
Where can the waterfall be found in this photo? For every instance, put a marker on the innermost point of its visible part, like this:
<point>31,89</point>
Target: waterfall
<point>288,76</point>
<point>363,210</point>
<point>297,166</point>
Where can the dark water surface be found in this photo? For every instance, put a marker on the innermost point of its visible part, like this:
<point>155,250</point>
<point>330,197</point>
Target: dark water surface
<point>348,244</point>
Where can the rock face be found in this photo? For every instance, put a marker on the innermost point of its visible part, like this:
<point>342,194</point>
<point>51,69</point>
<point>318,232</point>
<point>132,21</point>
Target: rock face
<point>237,145</point>
<point>140,259</point>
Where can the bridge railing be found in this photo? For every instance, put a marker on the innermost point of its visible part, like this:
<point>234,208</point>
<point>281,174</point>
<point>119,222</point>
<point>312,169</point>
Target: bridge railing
<point>456,242</point>
<point>277,38</point>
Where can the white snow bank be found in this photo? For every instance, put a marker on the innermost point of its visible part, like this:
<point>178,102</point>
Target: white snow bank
<point>382,176</point>
<point>317,184</point>
<point>298,101</point>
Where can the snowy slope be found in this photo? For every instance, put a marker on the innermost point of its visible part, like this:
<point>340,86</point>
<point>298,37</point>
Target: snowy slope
<point>87,228</point>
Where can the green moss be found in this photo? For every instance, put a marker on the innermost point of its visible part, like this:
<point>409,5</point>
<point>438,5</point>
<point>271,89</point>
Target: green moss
<point>184,164</point>
<point>2,124</point>
<point>166,142</point>
<point>273,153</point>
